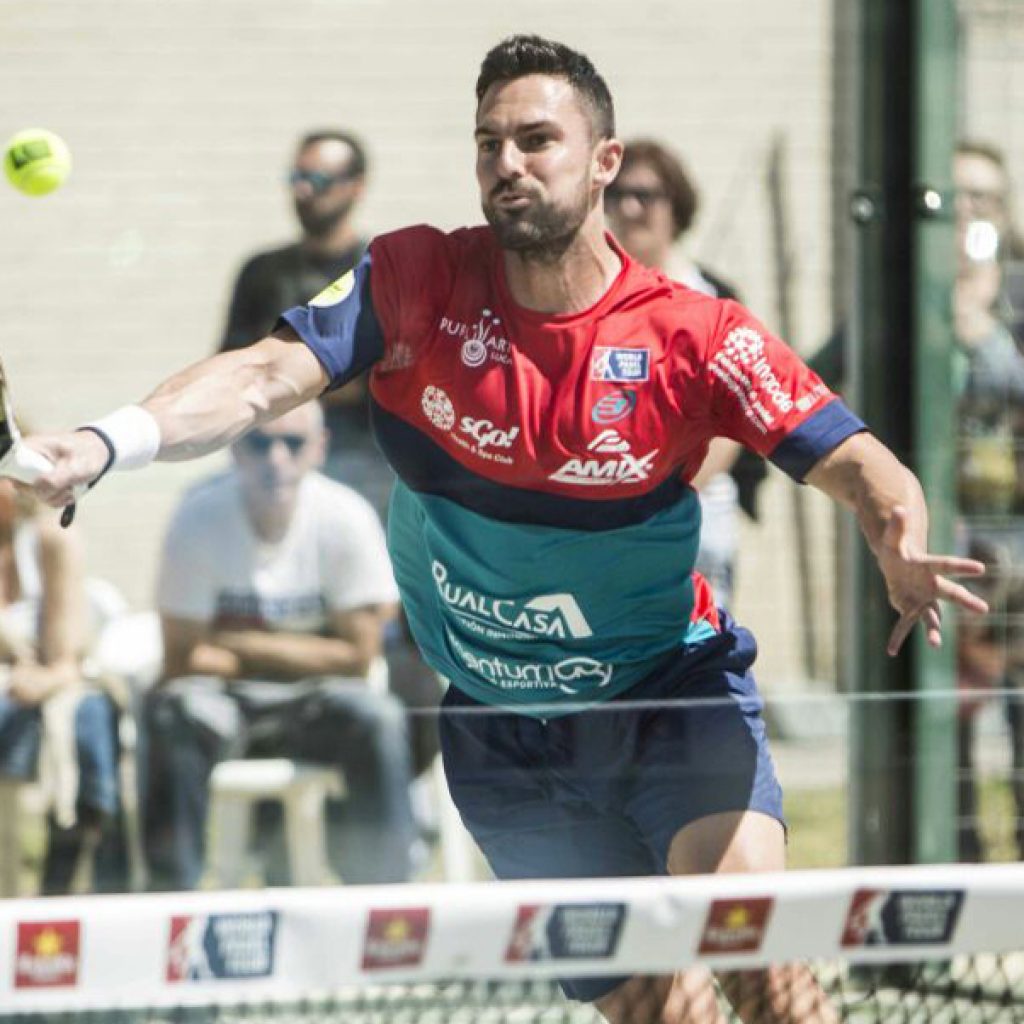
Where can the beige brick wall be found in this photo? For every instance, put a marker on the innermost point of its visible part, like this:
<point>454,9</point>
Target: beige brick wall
<point>182,114</point>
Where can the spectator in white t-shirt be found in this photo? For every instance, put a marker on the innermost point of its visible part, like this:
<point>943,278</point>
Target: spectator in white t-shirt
<point>274,593</point>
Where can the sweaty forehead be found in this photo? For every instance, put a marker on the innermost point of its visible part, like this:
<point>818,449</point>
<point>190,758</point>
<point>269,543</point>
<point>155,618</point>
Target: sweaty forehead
<point>529,100</point>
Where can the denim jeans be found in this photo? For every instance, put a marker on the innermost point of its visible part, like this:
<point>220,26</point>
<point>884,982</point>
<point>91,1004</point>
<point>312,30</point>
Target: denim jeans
<point>97,802</point>
<point>193,723</point>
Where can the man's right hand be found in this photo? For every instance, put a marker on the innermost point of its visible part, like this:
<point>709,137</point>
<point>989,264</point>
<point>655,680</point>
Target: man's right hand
<point>77,460</point>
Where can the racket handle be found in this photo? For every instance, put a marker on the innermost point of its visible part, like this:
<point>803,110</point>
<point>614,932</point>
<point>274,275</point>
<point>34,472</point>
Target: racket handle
<point>67,515</point>
<point>24,464</point>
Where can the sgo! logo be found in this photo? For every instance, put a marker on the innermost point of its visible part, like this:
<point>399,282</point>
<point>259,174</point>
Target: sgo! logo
<point>613,407</point>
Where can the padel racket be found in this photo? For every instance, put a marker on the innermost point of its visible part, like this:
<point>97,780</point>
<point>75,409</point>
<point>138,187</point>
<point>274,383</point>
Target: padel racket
<point>17,460</point>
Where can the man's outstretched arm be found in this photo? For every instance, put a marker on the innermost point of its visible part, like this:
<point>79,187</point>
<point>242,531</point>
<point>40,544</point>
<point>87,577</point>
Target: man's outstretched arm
<point>887,499</point>
<point>202,408</point>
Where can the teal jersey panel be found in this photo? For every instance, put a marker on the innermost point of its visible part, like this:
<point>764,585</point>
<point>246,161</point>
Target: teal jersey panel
<point>537,617</point>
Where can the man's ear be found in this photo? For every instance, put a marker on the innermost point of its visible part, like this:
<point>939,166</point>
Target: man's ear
<point>607,161</point>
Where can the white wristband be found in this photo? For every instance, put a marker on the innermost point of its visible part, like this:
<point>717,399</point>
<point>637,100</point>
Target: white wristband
<point>134,435</point>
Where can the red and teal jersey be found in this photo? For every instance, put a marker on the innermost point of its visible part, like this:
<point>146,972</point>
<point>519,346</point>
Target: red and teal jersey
<point>544,530</point>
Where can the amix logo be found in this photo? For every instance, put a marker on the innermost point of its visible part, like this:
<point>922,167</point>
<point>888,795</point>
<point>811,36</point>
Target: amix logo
<point>551,616</point>
<point>618,465</point>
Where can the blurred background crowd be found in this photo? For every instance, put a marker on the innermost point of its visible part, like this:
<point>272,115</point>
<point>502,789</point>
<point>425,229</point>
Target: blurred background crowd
<point>231,161</point>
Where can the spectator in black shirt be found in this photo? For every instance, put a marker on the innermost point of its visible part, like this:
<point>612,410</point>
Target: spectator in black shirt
<point>327,182</point>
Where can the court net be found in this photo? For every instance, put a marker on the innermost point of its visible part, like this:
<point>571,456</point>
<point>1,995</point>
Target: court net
<point>935,944</point>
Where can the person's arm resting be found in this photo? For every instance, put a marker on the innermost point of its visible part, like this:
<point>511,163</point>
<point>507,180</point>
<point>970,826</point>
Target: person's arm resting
<point>862,474</point>
<point>194,648</point>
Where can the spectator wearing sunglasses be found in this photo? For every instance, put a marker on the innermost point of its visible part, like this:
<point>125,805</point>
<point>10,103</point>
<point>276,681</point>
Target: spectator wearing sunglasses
<point>326,182</point>
<point>274,593</point>
<point>651,206</point>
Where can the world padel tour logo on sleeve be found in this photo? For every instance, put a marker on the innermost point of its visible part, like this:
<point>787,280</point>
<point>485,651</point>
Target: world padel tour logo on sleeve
<point>566,931</point>
<point>396,937</point>
<point>47,954</point>
<point>620,365</point>
<point>206,947</point>
<point>902,917</point>
<point>736,926</point>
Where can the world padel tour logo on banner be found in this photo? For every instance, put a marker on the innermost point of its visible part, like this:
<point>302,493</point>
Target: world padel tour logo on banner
<point>47,954</point>
<point>620,365</point>
<point>902,917</point>
<point>736,926</point>
<point>206,947</point>
<point>396,937</point>
<point>566,931</point>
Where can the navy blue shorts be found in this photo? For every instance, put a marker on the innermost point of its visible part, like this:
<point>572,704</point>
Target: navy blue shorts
<point>602,792</point>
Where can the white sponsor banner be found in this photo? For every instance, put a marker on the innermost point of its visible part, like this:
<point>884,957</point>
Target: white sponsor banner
<point>327,938</point>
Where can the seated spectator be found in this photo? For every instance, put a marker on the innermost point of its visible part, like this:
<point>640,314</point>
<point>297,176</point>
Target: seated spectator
<point>275,589</point>
<point>52,725</point>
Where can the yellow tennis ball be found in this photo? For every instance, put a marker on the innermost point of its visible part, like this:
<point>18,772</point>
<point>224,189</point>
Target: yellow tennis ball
<point>36,161</point>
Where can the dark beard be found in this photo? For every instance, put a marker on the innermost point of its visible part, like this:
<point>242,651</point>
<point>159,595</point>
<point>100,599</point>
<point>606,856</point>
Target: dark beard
<point>318,224</point>
<point>542,233</point>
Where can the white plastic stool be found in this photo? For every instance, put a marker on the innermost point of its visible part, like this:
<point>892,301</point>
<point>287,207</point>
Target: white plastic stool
<point>302,788</point>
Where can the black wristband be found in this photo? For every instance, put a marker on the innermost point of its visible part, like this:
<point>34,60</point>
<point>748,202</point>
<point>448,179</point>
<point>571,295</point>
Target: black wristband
<point>111,452</point>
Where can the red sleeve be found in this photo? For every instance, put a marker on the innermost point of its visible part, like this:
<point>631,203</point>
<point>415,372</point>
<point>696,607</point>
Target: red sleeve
<point>411,277</point>
<point>761,391</point>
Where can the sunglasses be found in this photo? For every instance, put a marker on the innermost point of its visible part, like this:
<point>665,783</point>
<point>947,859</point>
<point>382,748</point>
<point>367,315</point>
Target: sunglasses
<point>260,444</point>
<point>646,197</point>
<point>317,181</point>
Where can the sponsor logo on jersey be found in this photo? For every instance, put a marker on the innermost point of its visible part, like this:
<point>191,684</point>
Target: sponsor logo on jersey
<point>741,365</point>
<point>613,407</point>
<point>566,931</point>
<point>335,292</point>
<point>550,616</point>
<point>396,937</point>
<point>482,341</point>
<point>207,947</point>
<point>570,675</point>
<point>614,463</point>
<point>902,917</point>
<point>483,438</point>
<point>736,925</point>
<point>437,407</point>
<point>47,954</point>
<point>398,357</point>
<point>486,435</point>
<point>620,365</point>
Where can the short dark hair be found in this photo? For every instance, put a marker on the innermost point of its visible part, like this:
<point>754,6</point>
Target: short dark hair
<point>522,55</point>
<point>679,187</point>
<point>359,162</point>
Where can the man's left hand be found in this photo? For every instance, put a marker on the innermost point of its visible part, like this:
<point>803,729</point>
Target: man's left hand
<point>917,581</point>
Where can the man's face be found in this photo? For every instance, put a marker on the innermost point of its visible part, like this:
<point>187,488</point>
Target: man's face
<point>981,196</point>
<point>273,459</point>
<point>640,213</point>
<point>535,163</point>
<point>323,188</point>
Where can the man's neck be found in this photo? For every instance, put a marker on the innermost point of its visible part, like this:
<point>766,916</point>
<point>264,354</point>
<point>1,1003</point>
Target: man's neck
<point>270,522</point>
<point>340,239</point>
<point>570,282</point>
